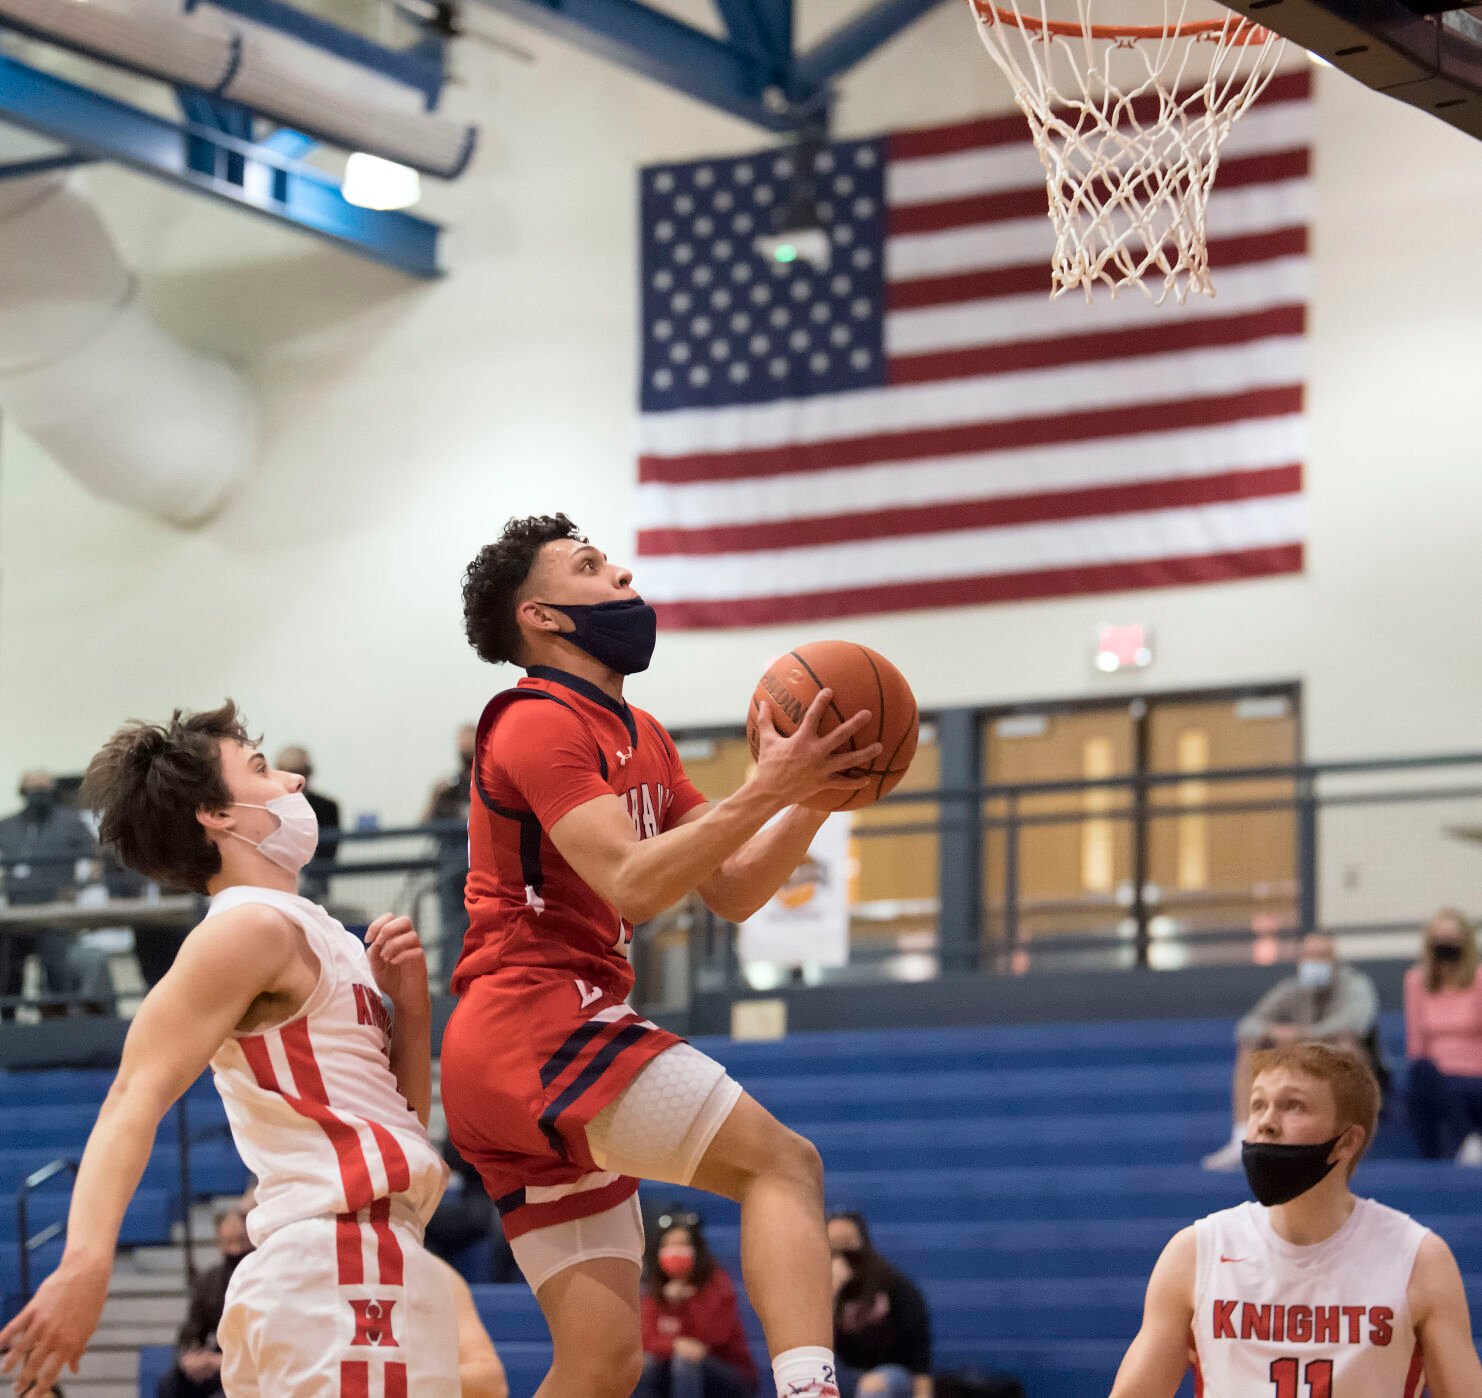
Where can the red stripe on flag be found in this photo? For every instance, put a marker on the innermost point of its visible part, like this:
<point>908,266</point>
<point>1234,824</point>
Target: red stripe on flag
<point>314,1104</point>
<point>1092,423</point>
<point>989,283</point>
<point>1029,201</point>
<point>396,1379</point>
<point>388,1247</point>
<point>998,587</point>
<point>1009,129</point>
<point>354,1378</point>
<point>1417,1371</point>
<point>1165,337</point>
<point>997,512</point>
<point>347,1249</point>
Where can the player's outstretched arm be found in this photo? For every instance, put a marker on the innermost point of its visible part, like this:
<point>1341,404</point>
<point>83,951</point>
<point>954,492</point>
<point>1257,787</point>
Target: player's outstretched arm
<point>1158,1358</point>
<point>762,865</point>
<point>640,878</point>
<point>1438,1303</point>
<point>222,967</point>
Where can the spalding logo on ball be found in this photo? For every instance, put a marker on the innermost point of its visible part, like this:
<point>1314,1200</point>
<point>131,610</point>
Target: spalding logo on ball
<point>860,679</point>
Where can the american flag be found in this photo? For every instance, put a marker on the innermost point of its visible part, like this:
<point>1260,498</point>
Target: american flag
<point>919,425</point>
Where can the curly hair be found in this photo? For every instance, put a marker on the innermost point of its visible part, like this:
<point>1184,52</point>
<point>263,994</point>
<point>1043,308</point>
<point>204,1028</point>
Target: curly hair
<point>148,781</point>
<point>492,582</point>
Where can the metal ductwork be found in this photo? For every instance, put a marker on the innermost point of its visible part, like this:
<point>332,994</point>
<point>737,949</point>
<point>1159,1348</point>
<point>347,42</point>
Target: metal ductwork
<point>135,416</point>
<point>280,78</point>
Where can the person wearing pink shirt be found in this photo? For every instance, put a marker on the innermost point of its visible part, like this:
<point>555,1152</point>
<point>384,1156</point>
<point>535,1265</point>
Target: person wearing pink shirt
<point>1443,1041</point>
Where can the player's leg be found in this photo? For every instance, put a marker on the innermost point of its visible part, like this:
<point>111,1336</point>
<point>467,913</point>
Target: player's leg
<point>592,1308</point>
<point>682,1120</point>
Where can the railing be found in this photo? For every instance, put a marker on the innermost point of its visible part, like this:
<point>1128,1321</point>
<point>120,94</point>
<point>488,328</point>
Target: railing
<point>27,1243</point>
<point>1144,870</point>
<point>1364,849</point>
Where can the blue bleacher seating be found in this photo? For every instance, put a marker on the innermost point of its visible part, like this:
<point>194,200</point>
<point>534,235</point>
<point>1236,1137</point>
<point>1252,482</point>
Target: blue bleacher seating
<point>1026,1176</point>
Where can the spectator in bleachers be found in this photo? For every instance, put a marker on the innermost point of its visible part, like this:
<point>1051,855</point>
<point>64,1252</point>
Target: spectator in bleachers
<point>197,1371</point>
<point>882,1332</point>
<point>314,881</point>
<point>1443,1042</point>
<point>1325,1001</point>
<point>694,1345</point>
<point>449,802</point>
<point>42,845</point>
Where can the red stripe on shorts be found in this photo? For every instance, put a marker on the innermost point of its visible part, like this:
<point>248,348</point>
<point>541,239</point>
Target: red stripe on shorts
<point>396,1380</point>
<point>388,1247</point>
<point>347,1249</point>
<point>354,1378</point>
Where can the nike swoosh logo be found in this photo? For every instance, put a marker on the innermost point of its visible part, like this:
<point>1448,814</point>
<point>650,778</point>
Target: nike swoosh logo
<point>1223,1258</point>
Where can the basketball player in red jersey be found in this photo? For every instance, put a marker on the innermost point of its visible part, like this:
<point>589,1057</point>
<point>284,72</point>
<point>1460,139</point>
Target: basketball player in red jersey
<point>1312,1292</point>
<point>582,824</point>
<point>327,1095</point>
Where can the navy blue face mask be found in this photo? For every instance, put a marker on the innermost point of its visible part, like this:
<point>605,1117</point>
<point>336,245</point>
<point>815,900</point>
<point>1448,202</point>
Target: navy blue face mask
<point>1278,1174</point>
<point>619,635</point>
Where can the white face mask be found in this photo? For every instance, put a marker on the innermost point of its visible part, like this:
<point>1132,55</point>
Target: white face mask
<point>293,843</point>
<point>1315,975</point>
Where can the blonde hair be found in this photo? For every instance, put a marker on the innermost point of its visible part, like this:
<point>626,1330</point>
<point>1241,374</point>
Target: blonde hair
<point>1355,1089</point>
<point>1464,973</point>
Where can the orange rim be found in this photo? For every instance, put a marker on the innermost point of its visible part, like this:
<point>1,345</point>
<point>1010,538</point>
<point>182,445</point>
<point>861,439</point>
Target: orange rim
<point>1245,31</point>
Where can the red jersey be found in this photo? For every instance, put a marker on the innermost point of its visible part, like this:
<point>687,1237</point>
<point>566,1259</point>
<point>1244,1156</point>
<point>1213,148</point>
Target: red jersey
<point>549,745</point>
<point>710,1316</point>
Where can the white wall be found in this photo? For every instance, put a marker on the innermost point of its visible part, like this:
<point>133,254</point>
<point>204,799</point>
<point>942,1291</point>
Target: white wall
<point>404,421</point>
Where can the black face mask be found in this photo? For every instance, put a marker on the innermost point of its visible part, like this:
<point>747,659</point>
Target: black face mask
<point>39,804</point>
<point>1447,953</point>
<point>1278,1174</point>
<point>231,1260</point>
<point>619,635</point>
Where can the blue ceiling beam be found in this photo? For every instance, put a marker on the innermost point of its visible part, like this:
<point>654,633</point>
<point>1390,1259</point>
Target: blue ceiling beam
<point>270,184</point>
<point>856,39</point>
<point>712,70</point>
<point>420,66</point>
<point>759,26</point>
<point>42,164</point>
<point>752,73</point>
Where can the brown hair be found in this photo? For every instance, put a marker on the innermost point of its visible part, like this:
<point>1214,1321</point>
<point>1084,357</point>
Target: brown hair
<point>1464,973</point>
<point>148,781</point>
<point>1355,1089</point>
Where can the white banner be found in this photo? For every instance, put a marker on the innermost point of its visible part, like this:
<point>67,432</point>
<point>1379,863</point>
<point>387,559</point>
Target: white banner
<point>807,922</point>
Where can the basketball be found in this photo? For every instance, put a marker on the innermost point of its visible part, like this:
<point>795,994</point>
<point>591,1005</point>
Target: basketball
<point>860,679</point>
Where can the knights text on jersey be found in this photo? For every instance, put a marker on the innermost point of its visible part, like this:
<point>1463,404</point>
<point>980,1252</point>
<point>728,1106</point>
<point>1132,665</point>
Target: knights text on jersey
<point>549,745</point>
<point>1275,1320</point>
<point>314,1108</point>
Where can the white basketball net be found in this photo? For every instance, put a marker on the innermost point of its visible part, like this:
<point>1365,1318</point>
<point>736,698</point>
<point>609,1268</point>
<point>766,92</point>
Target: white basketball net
<point>1129,128</point>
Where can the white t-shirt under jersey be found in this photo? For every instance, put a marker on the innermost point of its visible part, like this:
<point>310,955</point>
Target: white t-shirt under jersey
<point>312,1102</point>
<point>1274,1320</point>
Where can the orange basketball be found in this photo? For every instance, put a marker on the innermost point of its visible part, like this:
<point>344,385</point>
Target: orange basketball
<point>860,679</point>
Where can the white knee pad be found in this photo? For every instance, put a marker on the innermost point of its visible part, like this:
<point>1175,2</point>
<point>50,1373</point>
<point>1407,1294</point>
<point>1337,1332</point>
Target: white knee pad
<point>663,1123</point>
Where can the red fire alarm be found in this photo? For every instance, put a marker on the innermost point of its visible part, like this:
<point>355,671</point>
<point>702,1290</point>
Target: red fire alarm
<point>1123,648</point>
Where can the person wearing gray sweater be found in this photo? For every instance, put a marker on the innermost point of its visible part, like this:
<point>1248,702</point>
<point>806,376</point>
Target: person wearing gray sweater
<point>1325,1000</point>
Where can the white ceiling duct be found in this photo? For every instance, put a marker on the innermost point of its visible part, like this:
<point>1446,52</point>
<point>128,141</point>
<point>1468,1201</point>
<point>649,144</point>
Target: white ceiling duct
<point>280,78</point>
<point>137,417</point>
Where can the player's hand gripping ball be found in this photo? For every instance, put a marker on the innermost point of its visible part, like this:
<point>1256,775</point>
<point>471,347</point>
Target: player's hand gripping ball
<point>860,679</point>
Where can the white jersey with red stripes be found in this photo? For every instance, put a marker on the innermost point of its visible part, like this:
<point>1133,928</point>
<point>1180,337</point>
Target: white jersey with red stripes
<point>1331,1320</point>
<point>313,1105</point>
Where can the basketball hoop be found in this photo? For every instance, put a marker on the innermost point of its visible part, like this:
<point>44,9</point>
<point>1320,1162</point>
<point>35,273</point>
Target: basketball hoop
<point>1128,121</point>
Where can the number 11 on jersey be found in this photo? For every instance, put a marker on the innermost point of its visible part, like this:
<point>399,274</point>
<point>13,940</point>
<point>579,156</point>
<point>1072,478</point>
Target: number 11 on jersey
<point>1287,1373</point>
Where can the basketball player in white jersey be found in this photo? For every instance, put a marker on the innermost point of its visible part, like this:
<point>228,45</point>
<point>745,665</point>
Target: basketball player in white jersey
<point>327,1092</point>
<point>1312,1292</point>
